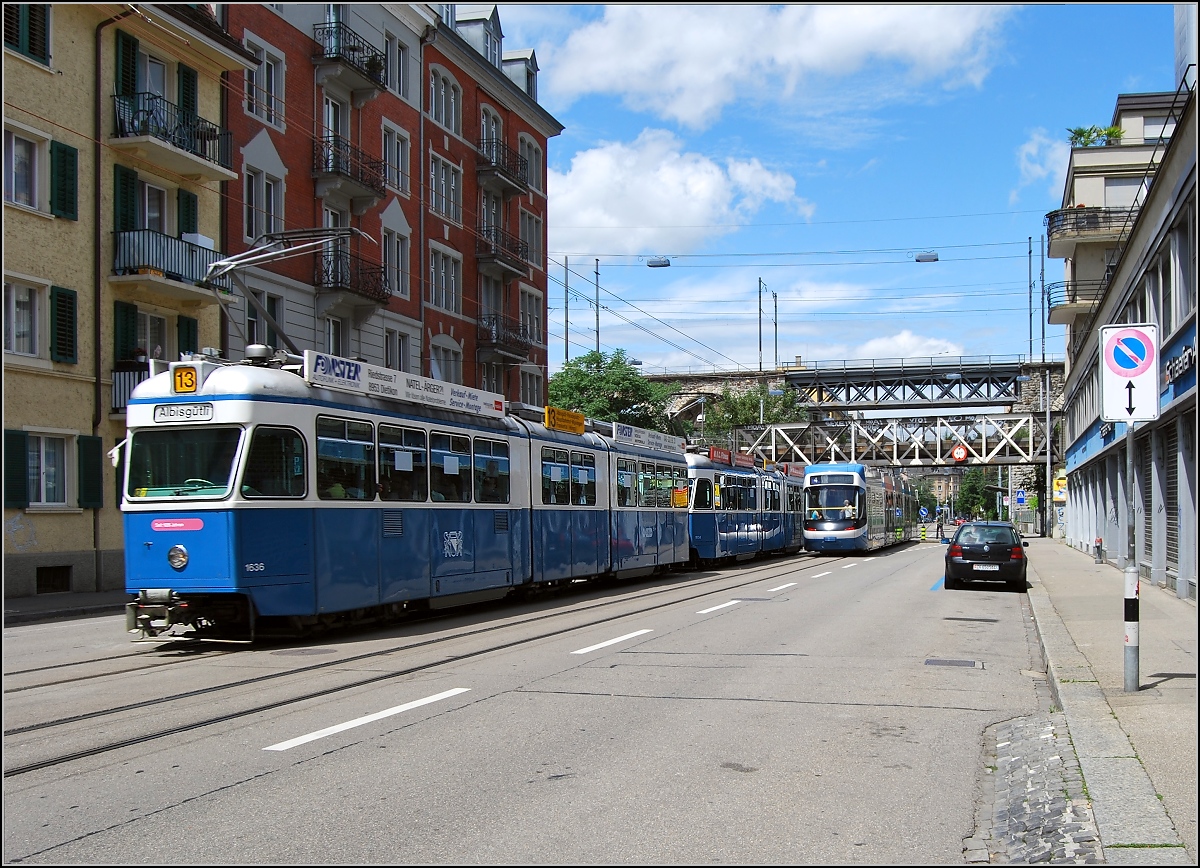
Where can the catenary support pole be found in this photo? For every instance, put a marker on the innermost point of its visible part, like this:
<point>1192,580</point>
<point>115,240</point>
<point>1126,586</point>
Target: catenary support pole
<point>566,309</point>
<point>1132,626</point>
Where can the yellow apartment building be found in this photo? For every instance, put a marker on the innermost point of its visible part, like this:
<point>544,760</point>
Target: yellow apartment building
<point>115,163</point>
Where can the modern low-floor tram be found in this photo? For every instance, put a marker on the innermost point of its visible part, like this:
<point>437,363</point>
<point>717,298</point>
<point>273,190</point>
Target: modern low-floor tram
<point>856,508</point>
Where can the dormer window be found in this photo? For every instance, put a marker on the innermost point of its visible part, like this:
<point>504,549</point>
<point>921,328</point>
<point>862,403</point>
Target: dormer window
<point>492,47</point>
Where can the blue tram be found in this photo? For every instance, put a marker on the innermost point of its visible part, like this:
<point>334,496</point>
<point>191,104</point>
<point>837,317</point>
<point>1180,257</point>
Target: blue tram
<point>854,508</point>
<point>279,495</point>
<point>739,511</point>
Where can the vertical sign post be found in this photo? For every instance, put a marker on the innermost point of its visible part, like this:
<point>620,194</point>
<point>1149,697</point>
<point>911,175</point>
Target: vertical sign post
<point>1129,394</point>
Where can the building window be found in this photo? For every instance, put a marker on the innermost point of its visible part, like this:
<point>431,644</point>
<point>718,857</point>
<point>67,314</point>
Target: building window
<point>396,61</point>
<point>445,185</point>
<point>445,364</point>
<point>258,330</point>
<point>152,334</point>
<point>491,296</point>
<point>264,210</point>
<point>47,462</point>
<point>395,350</point>
<point>445,101</point>
<point>492,49</point>
<point>264,84</point>
<point>395,159</point>
<point>153,207</point>
<point>531,315</point>
<point>533,161</point>
<point>20,169</point>
<point>445,272</point>
<point>490,128</point>
<point>21,319</point>
<point>27,30</point>
<point>531,388</point>
<point>395,262</point>
<point>333,335</point>
<point>491,377</point>
<point>531,234</point>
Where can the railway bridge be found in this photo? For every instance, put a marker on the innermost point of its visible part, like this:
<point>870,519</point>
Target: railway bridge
<point>917,412</point>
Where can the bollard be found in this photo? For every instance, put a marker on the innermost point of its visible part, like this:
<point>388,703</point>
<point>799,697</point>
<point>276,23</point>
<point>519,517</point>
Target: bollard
<point>1098,550</point>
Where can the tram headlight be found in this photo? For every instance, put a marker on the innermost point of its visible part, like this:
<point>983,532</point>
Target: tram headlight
<point>177,557</point>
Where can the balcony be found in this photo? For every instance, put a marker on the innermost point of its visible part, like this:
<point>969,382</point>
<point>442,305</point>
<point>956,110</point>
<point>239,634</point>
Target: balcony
<point>339,167</point>
<point>125,376</point>
<point>1067,227</point>
<point>159,131</point>
<point>351,59</point>
<point>502,336</point>
<point>501,168</point>
<point>1072,298</point>
<point>500,254</point>
<point>346,282</point>
<point>166,265</point>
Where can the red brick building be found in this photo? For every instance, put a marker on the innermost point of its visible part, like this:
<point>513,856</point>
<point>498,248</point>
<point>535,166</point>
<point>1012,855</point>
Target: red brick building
<point>417,130</point>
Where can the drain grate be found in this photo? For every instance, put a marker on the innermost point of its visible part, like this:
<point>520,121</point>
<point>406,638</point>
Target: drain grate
<point>935,661</point>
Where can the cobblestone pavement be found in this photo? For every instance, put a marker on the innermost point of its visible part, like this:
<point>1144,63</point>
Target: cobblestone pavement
<point>1033,807</point>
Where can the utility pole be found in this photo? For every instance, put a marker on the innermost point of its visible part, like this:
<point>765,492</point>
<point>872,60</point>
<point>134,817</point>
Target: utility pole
<point>1050,511</point>
<point>760,289</point>
<point>1030,258</point>
<point>597,311</point>
<point>566,309</point>
<point>775,298</point>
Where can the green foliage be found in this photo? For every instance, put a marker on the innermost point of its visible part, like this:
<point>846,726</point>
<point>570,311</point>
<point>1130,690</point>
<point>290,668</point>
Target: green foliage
<point>1086,137</point>
<point>973,498</point>
<point>608,388</point>
<point>741,409</point>
<point>923,488</point>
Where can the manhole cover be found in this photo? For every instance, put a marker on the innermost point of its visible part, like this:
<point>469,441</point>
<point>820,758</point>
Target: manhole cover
<point>300,652</point>
<point>934,661</point>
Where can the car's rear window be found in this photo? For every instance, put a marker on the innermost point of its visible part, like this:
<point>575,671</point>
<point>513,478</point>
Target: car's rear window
<point>975,534</point>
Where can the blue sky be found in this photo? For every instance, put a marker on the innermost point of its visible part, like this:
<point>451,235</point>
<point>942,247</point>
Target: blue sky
<point>817,149</point>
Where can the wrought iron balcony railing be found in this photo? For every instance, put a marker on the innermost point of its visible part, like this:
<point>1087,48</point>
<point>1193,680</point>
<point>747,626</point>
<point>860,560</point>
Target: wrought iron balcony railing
<point>1106,220</point>
<point>494,241</point>
<point>338,42</point>
<point>494,154</point>
<point>340,270</point>
<point>333,155</point>
<point>495,330</point>
<point>147,114</point>
<point>145,251</point>
<point>1074,292</point>
<point>125,376</point>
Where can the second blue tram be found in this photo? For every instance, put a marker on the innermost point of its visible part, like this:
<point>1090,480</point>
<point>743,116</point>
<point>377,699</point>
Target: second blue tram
<point>855,508</point>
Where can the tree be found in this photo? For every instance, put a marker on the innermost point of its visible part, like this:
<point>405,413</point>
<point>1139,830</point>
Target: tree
<point>608,388</point>
<point>923,489</point>
<point>741,409</point>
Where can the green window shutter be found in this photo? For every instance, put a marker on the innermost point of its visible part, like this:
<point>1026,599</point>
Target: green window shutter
<point>16,469</point>
<point>127,52</point>
<point>91,472</point>
<point>37,31</point>
<point>124,330</point>
<point>12,26</point>
<point>189,334</point>
<point>125,210</point>
<point>64,328</point>
<point>189,212</point>
<point>64,182</point>
<point>188,98</point>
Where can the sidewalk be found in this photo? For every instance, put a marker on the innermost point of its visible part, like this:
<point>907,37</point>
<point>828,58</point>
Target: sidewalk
<point>1137,751</point>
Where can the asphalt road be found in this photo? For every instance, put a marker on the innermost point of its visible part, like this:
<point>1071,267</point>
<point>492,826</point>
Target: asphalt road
<point>792,711</point>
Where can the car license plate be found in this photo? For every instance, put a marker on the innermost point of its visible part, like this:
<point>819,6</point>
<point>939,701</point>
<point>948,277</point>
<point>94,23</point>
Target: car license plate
<point>830,539</point>
<point>989,567</point>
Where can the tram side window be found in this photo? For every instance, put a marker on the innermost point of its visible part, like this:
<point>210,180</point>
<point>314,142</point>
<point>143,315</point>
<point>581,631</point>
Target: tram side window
<point>626,482</point>
<point>556,475</point>
<point>679,488</point>
<point>449,468</point>
<point>491,472</point>
<point>702,498</point>
<point>751,490</point>
<point>583,478</point>
<point>275,464</point>
<point>647,486</point>
<point>345,459</point>
<point>403,465</point>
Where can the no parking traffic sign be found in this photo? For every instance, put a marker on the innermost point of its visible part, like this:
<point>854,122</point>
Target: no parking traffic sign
<point>1129,372</point>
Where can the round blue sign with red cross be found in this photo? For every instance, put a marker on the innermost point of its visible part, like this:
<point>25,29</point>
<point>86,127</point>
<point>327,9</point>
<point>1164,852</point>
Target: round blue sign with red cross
<point>1129,352</point>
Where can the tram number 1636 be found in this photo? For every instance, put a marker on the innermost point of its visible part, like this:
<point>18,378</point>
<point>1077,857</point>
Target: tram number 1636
<point>255,568</point>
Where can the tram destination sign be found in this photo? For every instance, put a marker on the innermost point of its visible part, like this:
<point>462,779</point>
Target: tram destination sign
<point>1129,372</point>
<point>347,375</point>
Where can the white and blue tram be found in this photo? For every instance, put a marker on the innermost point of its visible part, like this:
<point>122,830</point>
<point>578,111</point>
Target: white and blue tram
<point>739,511</point>
<point>271,495</point>
<point>854,508</point>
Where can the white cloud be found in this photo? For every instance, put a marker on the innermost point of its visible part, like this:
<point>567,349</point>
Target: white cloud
<point>686,63</point>
<point>650,195</point>
<point>1041,158</point>
<point>905,345</point>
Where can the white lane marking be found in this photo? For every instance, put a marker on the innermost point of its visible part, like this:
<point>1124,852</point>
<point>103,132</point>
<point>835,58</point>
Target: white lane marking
<point>818,575</point>
<point>848,566</point>
<point>868,559</point>
<point>714,608</point>
<point>780,588</point>
<point>611,642</point>
<point>370,718</point>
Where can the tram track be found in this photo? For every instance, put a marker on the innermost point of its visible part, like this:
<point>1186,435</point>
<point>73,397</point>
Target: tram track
<point>760,572</point>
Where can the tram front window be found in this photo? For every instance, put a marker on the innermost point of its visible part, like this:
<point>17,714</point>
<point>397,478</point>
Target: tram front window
<point>832,503</point>
<point>182,462</point>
